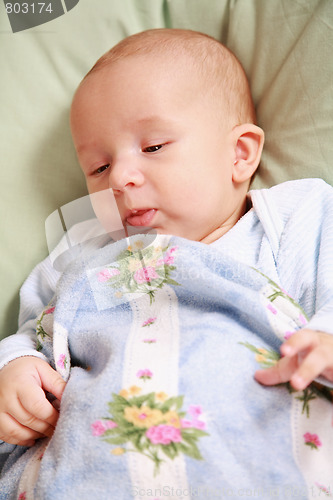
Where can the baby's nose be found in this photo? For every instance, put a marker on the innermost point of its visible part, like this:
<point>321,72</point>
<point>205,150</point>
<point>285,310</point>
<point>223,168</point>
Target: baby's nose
<point>125,174</point>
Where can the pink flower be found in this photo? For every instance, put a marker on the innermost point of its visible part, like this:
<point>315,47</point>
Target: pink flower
<point>149,321</point>
<point>107,274</point>
<point>186,423</point>
<point>99,427</point>
<point>323,488</point>
<point>302,319</point>
<point>22,496</point>
<point>288,334</point>
<point>195,410</point>
<point>198,424</point>
<point>163,434</point>
<point>62,361</point>
<point>272,309</point>
<point>144,374</point>
<point>312,440</point>
<point>169,258</point>
<point>50,310</point>
<point>145,274</point>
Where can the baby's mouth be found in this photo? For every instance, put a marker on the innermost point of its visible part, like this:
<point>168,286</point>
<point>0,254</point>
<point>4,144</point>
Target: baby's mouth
<point>140,217</point>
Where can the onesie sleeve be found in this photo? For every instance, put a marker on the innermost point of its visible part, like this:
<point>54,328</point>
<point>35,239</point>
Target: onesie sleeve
<point>39,288</point>
<point>322,318</point>
<point>305,258</point>
<point>305,254</point>
<point>322,236</point>
<point>35,294</point>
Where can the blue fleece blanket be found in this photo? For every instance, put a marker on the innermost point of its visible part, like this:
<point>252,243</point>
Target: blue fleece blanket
<point>159,340</point>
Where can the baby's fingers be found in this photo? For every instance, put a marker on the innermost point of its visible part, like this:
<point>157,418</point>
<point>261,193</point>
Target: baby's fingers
<point>307,354</point>
<point>279,373</point>
<point>302,341</point>
<point>13,432</point>
<point>313,365</point>
<point>315,356</point>
<point>39,414</point>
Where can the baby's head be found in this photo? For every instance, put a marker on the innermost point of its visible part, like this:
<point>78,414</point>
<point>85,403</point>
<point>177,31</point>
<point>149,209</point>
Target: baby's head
<point>209,66</point>
<point>166,120</point>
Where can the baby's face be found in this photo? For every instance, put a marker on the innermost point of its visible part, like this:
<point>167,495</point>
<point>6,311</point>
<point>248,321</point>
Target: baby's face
<point>152,136</point>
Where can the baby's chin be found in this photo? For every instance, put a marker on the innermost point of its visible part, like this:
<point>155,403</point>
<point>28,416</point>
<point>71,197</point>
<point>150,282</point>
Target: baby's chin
<point>178,232</point>
<point>174,230</point>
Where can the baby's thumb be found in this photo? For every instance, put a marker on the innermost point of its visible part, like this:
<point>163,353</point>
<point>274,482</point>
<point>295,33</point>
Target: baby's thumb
<point>51,381</point>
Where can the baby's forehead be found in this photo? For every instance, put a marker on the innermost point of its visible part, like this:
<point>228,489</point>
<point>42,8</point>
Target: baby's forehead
<point>142,68</point>
<point>163,80</point>
<point>164,61</point>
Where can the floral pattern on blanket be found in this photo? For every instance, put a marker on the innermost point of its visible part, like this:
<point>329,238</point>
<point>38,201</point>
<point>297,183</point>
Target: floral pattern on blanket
<point>152,424</point>
<point>285,315</point>
<point>44,327</point>
<point>141,270</point>
<point>267,358</point>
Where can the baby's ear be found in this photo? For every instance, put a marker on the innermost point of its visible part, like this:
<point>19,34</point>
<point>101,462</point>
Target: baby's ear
<point>248,142</point>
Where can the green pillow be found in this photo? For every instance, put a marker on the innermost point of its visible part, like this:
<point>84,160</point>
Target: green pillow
<point>285,46</point>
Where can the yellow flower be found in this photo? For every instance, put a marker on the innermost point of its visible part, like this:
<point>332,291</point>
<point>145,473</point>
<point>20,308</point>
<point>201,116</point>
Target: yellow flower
<point>134,265</point>
<point>172,418</point>
<point>118,295</point>
<point>262,356</point>
<point>139,244</point>
<point>152,263</point>
<point>118,451</point>
<point>161,396</point>
<point>124,393</point>
<point>143,417</point>
<point>129,248</point>
<point>134,390</point>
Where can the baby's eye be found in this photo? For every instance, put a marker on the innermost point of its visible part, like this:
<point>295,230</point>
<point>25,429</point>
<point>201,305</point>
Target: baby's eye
<point>101,169</point>
<point>152,149</point>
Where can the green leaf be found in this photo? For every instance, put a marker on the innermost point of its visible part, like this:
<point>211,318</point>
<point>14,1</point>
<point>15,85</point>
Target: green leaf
<point>119,400</point>
<point>136,440</point>
<point>178,401</point>
<point>115,440</point>
<point>250,346</point>
<point>170,281</point>
<point>191,440</point>
<point>191,451</point>
<point>170,450</point>
<point>194,433</point>
<point>110,432</point>
<point>124,426</point>
<point>138,401</point>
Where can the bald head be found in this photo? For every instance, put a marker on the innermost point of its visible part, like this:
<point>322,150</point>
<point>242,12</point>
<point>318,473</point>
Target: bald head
<point>210,65</point>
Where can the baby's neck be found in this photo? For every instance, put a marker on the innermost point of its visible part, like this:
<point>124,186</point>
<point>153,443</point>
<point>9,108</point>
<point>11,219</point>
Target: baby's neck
<point>216,234</point>
<point>224,228</point>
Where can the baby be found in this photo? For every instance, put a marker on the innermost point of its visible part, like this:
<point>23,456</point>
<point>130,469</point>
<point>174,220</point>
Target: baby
<point>166,121</point>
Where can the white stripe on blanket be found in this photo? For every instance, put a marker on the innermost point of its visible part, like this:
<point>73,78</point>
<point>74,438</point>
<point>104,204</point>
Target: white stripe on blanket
<point>314,460</point>
<point>155,348</point>
<point>308,436</point>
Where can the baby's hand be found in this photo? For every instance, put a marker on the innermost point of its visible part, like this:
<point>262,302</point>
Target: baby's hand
<point>25,412</point>
<point>306,355</point>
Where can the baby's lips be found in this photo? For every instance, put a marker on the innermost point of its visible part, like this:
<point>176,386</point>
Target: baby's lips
<point>141,217</point>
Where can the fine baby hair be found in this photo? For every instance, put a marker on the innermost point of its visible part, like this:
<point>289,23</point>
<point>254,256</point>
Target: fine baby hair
<point>215,67</point>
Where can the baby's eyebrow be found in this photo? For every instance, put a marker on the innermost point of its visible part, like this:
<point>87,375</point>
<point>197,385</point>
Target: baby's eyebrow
<point>156,120</point>
<point>82,148</point>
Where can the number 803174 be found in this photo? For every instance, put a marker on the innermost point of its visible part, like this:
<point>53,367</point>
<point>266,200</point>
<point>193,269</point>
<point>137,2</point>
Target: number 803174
<point>28,8</point>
